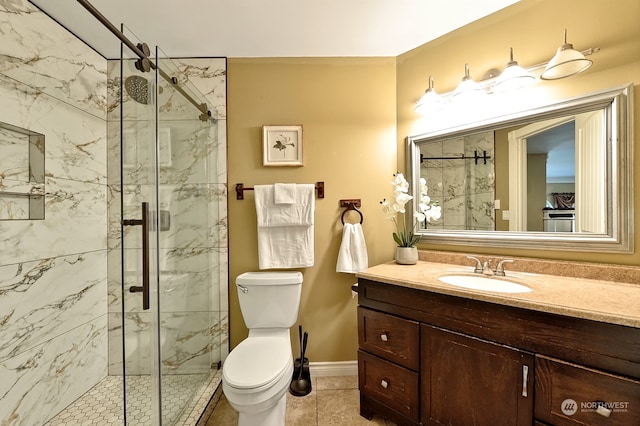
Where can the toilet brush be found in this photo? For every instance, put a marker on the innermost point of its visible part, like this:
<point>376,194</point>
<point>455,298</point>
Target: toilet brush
<point>301,385</point>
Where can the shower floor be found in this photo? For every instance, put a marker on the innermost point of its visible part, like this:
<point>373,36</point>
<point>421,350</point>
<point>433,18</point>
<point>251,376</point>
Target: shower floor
<point>102,404</point>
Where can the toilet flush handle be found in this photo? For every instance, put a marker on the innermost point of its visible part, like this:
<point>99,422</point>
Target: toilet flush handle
<point>242,288</point>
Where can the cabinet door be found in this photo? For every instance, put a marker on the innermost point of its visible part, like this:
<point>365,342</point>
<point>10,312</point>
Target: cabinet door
<point>569,394</point>
<point>468,381</point>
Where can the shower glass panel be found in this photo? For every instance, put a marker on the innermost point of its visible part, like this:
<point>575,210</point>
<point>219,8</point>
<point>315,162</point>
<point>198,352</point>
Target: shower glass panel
<point>139,203</point>
<point>187,261</point>
<point>171,347</point>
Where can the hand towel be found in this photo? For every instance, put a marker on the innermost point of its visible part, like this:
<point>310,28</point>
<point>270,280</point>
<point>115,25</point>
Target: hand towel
<point>352,256</point>
<point>284,193</point>
<point>270,214</point>
<point>285,231</point>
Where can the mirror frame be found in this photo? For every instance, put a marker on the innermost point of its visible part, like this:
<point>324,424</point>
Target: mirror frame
<point>619,237</point>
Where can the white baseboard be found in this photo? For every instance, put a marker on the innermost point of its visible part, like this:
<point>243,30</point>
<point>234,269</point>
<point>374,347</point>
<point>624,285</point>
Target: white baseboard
<point>340,368</point>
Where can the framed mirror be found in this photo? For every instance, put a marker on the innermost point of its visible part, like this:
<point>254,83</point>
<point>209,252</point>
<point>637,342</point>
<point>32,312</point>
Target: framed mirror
<point>557,177</point>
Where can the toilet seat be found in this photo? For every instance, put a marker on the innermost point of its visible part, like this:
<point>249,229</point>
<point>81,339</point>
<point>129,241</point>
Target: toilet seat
<point>257,363</point>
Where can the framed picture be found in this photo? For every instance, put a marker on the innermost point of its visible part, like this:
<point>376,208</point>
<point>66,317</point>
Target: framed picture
<point>282,146</point>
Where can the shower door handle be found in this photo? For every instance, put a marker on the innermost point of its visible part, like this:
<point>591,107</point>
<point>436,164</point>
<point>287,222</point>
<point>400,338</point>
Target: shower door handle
<point>144,288</point>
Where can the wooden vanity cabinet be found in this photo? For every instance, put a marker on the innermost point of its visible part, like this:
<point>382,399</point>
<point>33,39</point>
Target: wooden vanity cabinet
<point>469,381</point>
<point>562,386</point>
<point>434,359</point>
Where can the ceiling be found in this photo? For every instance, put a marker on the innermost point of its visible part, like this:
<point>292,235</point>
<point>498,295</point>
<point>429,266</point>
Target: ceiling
<point>273,28</point>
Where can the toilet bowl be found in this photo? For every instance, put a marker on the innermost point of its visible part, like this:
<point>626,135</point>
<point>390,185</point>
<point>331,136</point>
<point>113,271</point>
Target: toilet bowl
<point>257,373</point>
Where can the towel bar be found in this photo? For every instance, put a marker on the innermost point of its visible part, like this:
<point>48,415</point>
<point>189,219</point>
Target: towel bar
<point>240,188</point>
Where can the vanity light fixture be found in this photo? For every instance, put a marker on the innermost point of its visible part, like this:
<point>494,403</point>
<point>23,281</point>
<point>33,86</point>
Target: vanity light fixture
<point>513,77</point>
<point>430,101</point>
<point>566,62</point>
<point>467,90</point>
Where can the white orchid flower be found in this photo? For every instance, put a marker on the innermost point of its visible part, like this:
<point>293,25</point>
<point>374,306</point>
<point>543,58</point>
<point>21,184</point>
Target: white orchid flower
<point>435,212</point>
<point>403,198</point>
<point>405,235</point>
<point>400,184</point>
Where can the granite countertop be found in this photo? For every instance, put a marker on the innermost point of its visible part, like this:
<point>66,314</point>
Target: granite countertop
<point>604,301</point>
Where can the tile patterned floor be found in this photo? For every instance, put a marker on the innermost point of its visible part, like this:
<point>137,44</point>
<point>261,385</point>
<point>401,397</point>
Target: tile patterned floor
<point>102,405</point>
<point>333,401</point>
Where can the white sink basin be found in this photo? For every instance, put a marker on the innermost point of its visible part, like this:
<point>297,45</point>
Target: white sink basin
<point>500,285</point>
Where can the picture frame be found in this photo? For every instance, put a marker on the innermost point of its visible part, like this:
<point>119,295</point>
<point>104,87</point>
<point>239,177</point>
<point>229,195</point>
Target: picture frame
<point>282,146</point>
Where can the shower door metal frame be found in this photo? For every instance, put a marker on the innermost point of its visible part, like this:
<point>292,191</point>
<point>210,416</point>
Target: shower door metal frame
<point>144,64</point>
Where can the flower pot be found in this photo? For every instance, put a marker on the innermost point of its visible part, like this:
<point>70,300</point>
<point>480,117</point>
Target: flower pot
<point>406,255</point>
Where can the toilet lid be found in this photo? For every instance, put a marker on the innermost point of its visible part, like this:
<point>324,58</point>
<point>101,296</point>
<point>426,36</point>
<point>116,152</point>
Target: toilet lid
<point>257,362</point>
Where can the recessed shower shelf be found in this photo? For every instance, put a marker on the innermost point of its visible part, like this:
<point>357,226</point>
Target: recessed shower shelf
<point>21,173</point>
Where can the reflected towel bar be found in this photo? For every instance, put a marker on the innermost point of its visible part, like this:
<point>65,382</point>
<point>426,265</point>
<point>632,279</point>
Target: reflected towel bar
<point>240,188</point>
<point>475,157</point>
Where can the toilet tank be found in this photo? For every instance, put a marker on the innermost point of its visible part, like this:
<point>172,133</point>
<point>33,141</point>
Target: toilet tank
<point>269,299</point>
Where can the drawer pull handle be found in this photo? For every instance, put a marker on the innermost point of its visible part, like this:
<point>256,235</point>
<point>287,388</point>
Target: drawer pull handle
<point>384,337</point>
<point>525,378</point>
<point>384,384</point>
<point>603,411</point>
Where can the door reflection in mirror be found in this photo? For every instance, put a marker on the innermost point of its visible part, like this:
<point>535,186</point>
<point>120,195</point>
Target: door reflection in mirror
<point>567,155</point>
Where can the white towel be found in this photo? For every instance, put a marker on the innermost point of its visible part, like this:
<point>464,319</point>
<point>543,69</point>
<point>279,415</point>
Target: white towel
<point>284,193</point>
<point>270,214</point>
<point>285,231</point>
<point>352,256</point>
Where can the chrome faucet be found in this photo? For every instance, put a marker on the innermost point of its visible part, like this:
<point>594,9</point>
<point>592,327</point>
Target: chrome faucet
<point>485,268</point>
<point>478,269</point>
<point>500,268</point>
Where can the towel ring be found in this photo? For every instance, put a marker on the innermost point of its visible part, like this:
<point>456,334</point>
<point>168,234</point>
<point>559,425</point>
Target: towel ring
<point>351,206</point>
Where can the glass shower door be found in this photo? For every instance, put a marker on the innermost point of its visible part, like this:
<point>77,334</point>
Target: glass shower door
<point>169,208</point>
<point>139,207</point>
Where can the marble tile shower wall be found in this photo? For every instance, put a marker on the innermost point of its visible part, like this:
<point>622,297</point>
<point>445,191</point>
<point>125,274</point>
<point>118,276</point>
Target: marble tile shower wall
<point>53,272</point>
<point>193,251</point>
<point>464,189</point>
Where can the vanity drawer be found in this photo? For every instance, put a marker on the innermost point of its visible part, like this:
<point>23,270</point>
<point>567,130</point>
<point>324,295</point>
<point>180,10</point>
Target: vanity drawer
<point>390,337</point>
<point>394,386</point>
<point>568,394</point>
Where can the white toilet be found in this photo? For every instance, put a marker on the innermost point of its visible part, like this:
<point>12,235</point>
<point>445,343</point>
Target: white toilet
<point>257,373</point>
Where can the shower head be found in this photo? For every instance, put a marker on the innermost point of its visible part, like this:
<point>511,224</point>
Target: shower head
<point>138,88</point>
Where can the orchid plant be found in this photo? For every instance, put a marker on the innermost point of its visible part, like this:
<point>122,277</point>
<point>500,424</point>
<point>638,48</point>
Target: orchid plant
<point>428,210</point>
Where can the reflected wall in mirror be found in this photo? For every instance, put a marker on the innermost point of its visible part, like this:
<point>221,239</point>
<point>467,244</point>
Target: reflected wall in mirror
<point>559,176</point>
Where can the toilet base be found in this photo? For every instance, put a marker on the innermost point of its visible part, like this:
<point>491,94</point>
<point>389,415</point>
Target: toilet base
<point>275,416</point>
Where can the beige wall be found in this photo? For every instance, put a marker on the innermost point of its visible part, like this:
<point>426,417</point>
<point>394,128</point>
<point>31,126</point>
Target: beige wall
<point>347,109</point>
<point>534,29</point>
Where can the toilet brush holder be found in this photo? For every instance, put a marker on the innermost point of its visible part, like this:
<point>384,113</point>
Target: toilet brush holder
<point>301,380</point>
<point>305,368</point>
<point>300,383</point>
